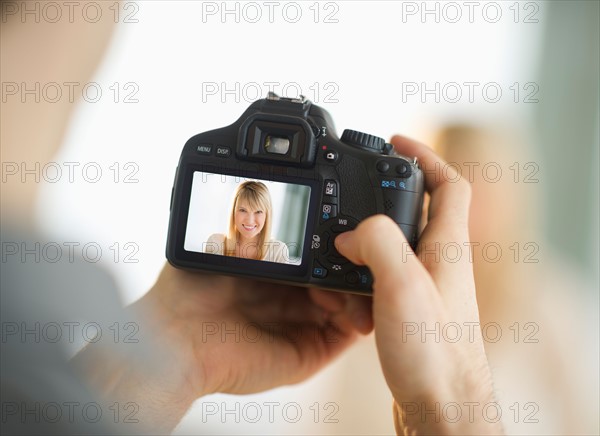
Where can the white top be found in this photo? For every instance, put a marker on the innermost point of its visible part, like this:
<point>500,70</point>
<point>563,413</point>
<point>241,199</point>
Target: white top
<point>277,251</point>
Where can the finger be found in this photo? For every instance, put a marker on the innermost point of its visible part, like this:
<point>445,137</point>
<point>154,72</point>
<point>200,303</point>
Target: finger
<point>440,178</point>
<point>359,310</point>
<point>328,300</point>
<point>345,309</point>
<point>378,243</point>
<point>444,243</point>
<point>270,302</point>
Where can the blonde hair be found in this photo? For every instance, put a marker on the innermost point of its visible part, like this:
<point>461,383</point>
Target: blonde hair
<point>256,196</point>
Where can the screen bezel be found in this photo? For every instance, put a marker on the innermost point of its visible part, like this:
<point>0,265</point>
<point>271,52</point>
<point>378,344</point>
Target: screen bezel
<point>238,265</point>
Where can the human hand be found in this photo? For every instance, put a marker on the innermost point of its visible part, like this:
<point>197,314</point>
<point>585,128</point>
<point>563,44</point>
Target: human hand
<point>424,292</point>
<point>246,336</point>
<point>212,333</point>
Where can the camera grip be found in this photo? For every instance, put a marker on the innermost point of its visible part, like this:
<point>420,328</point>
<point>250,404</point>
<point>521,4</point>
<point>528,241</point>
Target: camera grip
<point>404,207</point>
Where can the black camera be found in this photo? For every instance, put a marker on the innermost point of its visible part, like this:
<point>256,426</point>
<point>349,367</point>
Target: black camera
<point>266,196</point>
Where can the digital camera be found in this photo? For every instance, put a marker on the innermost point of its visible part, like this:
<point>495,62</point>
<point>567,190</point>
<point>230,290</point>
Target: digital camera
<point>266,196</point>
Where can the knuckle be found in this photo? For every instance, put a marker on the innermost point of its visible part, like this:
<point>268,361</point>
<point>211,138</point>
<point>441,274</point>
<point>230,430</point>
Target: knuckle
<point>459,189</point>
<point>376,225</point>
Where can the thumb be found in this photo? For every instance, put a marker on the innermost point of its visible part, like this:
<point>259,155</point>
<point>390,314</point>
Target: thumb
<point>379,243</point>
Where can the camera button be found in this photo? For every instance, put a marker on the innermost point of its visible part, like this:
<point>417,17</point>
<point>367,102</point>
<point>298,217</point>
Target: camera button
<point>205,149</point>
<point>319,271</point>
<point>331,250</point>
<point>359,277</point>
<point>337,259</point>
<point>328,211</point>
<point>223,151</point>
<point>353,277</point>
<point>336,267</point>
<point>382,166</point>
<point>331,156</point>
<point>404,169</point>
<point>331,188</point>
<point>344,225</point>
<point>396,184</point>
<point>324,243</point>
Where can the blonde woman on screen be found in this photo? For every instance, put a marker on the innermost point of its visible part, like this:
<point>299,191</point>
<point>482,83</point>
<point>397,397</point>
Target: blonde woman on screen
<point>250,221</point>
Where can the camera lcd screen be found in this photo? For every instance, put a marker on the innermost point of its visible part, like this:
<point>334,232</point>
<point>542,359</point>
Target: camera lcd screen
<point>247,218</point>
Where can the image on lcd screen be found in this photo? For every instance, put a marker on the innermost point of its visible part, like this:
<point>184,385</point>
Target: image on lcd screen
<point>247,218</point>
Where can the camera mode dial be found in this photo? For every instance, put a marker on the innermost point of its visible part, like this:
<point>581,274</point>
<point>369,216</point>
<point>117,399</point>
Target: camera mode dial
<point>363,140</point>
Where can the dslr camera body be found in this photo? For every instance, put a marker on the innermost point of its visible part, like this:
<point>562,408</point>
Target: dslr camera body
<point>319,186</point>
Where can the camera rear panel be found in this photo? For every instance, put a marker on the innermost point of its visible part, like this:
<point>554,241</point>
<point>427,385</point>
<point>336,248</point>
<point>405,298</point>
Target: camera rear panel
<point>319,196</point>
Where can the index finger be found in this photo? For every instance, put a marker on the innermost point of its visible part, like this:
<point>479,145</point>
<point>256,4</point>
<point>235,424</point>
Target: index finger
<point>447,227</point>
<point>439,176</point>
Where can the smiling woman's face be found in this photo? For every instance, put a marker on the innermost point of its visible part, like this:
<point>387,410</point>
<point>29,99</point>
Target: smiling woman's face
<point>249,222</point>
